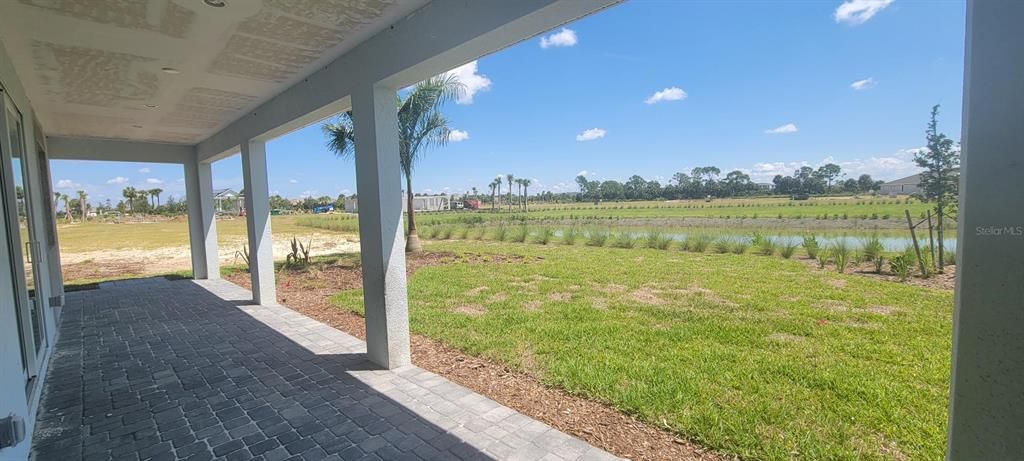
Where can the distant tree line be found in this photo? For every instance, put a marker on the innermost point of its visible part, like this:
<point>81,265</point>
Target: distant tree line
<point>706,181</point>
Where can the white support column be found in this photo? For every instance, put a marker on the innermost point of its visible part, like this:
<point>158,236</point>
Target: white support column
<point>202,226</point>
<point>381,240</point>
<point>257,221</point>
<point>986,413</point>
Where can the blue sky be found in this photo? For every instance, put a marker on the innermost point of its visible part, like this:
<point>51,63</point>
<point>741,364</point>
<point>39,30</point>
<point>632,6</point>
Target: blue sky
<point>763,87</point>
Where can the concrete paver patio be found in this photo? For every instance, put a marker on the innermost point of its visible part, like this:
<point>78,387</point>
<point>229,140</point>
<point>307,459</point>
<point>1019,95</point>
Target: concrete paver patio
<point>158,369</point>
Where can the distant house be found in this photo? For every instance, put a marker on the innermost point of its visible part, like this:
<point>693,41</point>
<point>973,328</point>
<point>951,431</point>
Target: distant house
<point>903,186</point>
<point>765,186</point>
<point>419,203</point>
<point>227,201</point>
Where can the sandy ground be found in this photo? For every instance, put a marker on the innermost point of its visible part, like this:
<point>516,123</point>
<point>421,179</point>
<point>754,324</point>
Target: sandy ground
<point>137,261</point>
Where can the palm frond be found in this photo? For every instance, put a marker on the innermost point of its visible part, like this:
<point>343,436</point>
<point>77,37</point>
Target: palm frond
<point>341,138</point>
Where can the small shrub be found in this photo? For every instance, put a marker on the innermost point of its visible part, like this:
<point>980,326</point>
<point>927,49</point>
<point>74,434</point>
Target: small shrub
<point>658,241</point>
<point>811,246</point>
<point>900,265</point>
<point>787,248</point>
<point>624,240</point>
<point>460,232</point>
<point>841,253</point>
<point>698,243</point>
<point>446,233</point>
<point>871,251</point>
<point>545,236</point>
<point>519,235</point>
<point>765,245</point>
<point>480,234</point>
<point>740,246</point>
<point>597,238</point>
<point>569,236</point>
<point>500,233</point>
<point>432,232</point>
<point>823,257</point>
<point>722,245</point>
<point>949,258</point>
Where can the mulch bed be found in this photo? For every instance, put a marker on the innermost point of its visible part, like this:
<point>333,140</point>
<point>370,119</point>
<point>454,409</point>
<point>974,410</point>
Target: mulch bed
<point>944,281</point>
<point>307,292</point>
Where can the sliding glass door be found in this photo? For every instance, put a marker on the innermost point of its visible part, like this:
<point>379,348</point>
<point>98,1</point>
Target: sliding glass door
<point>24,251</point>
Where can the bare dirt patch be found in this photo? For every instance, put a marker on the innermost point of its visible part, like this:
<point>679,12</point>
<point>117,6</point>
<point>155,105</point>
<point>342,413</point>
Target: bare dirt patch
<point>609,287</point>
<point>646,295</point>
<point>785,337</point>
<point>532,305</point>
<point>497,298</point>
<point>559,296</point>
<point>882,310</point>
<point>470,309</point>
<point>837,283</point>
<point>833,305</point>
<point>697,290</point>
<point>595,423</point>
<point>475,291</point>
<point>598,303</point>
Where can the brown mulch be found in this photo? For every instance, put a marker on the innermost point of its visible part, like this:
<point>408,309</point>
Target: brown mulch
<point>943,281</point>
<point>308,291</point>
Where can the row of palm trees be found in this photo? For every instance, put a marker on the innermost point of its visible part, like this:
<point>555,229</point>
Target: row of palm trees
<point>83,203</point>
<point>151,195</point>
<point>523,186</point>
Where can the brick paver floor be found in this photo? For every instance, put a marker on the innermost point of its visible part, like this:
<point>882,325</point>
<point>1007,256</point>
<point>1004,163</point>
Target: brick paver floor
<point>158,369</point>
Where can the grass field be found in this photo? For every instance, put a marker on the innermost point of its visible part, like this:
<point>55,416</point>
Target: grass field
<point>834,213</point>
<point>761,357</point>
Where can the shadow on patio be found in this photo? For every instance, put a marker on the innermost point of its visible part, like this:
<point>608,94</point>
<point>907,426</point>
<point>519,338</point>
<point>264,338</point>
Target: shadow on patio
<point>158,369</point>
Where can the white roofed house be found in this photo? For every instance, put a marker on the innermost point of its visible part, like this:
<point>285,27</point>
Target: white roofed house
<point>187,83</point>
<point>903,186</point>
<point>227,201</point>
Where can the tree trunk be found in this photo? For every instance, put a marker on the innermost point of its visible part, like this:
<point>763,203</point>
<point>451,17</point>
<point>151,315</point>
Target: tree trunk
<point>412,242</point>
<point>938,229</point>
<point>526,197</point>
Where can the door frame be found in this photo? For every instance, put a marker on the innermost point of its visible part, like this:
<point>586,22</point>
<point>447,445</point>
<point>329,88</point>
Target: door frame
<point>32,356</point>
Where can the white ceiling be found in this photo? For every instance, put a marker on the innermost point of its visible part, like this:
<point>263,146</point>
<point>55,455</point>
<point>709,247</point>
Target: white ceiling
<point>94,67</point>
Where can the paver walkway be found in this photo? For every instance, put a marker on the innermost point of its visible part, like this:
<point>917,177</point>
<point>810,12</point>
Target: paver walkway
<point>158,369</point>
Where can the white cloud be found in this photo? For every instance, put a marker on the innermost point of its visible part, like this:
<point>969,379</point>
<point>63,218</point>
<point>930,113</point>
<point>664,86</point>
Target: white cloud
<point>562,38</point>
<point>863,84</point>
<point>154,181</point>
<point>67,184</point>
<point>118,180</point>
<point>458,135</point>
<point>144,170</point>
<point>856,12</point>
<point>668,94</point>
<point>293,181</point>
<point>473,82</point>
<point>583,173</point>
<point>885,167</point>
<point>591,134</point>
<point>179,180</point>
<point>783,129</point>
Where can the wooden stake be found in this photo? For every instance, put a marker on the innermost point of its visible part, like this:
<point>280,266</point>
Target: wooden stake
<point>931,239</point>
<point>917,248</point>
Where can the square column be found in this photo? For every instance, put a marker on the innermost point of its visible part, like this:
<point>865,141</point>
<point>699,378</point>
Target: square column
<point>986,413</point>
<point>202,224</point>
<point>257,222</point>
<point>381,238</point>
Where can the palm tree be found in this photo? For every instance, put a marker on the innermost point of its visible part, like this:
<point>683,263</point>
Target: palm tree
<point>494,186</point>
<point>130,194</point>
<point>420,125</point>
<point>156,193</point>
<point>510,178</point>
<point>526,194</point>
<point>82,203</point>
<point>67,206</point>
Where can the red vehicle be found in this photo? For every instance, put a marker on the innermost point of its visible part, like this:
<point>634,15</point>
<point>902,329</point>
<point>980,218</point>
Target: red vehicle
<point>472,204</point>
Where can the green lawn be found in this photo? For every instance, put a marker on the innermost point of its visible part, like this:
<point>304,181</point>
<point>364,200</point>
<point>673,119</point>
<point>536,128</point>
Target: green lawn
<point>757,356</point>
